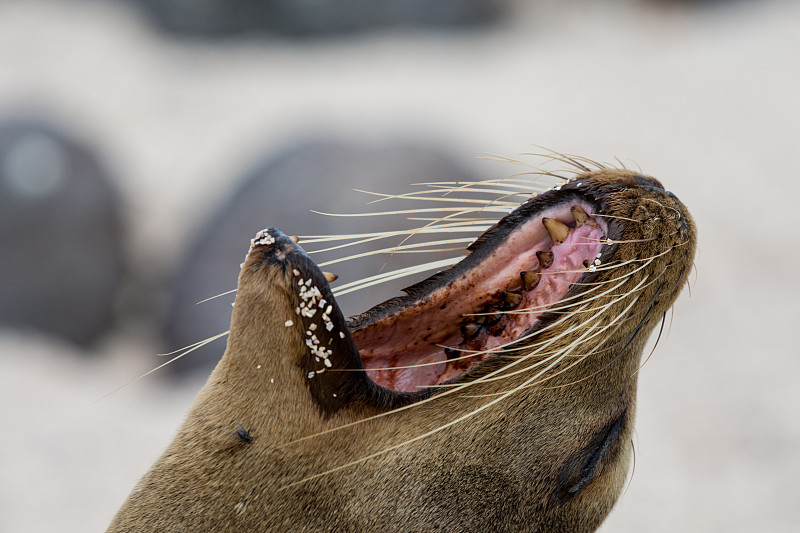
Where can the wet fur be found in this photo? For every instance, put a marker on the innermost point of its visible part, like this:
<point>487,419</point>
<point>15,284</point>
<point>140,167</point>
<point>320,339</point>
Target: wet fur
<point>551,456</point>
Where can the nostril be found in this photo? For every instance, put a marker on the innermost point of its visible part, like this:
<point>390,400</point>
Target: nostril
<point>649,183</point>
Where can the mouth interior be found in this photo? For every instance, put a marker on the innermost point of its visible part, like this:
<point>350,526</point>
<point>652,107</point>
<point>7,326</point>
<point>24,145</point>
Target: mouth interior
<point>461,323</point>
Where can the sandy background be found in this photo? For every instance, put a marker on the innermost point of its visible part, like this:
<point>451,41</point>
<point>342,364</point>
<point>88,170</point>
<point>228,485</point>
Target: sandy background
<point>704,98</point>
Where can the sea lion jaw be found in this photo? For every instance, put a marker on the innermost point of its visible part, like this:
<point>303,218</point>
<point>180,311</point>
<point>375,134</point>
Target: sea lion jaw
<point>261,366</point>
<point>536,437</point>
<point>286,318</point>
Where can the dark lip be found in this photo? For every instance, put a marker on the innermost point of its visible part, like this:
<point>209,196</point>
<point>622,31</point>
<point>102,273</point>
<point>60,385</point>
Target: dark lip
<point>337,389</point>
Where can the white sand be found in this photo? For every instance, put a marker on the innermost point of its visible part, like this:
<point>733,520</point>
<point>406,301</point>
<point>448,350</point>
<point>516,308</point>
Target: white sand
<point>706,101</point>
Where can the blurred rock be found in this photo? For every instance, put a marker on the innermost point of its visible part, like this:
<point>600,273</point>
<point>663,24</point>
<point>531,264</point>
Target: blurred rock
<point>309,18</point>
<point>281,192</point>
<point>60,232</point>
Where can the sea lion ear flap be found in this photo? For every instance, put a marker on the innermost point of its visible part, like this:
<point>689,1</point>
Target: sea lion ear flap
<point>327,358</point>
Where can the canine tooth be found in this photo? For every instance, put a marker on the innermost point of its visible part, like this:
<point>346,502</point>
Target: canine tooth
<point>558,230</point>
<point>330,277</point>
<point>581,217</point>
<point>295,239</point>
<point>530,279</point>
<point>470,330</point>
<point>579,214</point>
<point>512,298</point>
<point>545,258</point>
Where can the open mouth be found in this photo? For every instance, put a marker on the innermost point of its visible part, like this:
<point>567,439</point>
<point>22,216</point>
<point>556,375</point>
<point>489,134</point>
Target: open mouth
<point>578,266</point>
<point>448,324</point>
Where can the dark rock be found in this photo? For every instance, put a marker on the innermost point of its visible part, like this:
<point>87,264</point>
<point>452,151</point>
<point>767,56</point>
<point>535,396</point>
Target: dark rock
<point>314,18</point>
<point>60,232</point>
<point>281,192</point>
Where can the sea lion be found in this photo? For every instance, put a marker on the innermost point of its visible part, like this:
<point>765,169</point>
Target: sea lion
<point>497,395</point>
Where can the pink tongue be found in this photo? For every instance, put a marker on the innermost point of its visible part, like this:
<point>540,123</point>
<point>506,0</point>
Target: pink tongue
<point>416,337</point>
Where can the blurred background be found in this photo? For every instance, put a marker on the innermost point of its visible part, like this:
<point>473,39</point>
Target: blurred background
<point>144,142</point>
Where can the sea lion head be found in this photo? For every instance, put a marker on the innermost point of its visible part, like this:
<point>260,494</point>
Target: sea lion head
<point>497,395</point>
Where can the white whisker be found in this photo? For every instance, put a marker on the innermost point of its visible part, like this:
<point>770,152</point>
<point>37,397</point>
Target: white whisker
<point>394,249</point>
<point>394,274</point>
<point>490,208</point>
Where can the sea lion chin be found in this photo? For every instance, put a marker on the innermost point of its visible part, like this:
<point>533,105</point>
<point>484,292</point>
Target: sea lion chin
<point>497,395</point>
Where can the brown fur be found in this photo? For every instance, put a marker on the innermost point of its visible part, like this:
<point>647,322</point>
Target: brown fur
<point>550,457</point>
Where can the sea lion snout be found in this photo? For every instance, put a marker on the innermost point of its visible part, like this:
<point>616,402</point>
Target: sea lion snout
<point>273,247</point>
<point>327,360</point>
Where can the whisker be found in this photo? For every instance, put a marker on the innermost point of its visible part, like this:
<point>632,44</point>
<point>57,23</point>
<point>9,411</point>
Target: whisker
<point>662,206</point>
<point>598,314</point>
<point>556,156</point>
<point>492,209</point>
<point>395,249</point>
<point>489,221</point>
<point>474,190</point>
<point>192,347</point>
<point>510,182</point>
<point>444,189</point>
<point>439,199</point>
<point>466,225</point>
<point>394,274</point>
<point>630,337</point>
<point>215,296</point>
<point>411,440</point>
<point>615,217</point>
<point>655,344</point>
